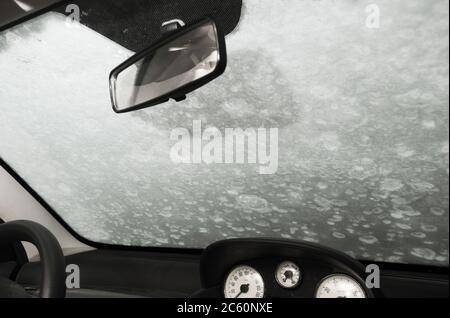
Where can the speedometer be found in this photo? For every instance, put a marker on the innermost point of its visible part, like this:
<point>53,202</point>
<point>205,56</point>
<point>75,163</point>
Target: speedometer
<point>244,282</point>
<point>340,286</point>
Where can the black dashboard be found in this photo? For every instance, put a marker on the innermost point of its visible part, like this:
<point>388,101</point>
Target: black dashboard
<point>272,268</point>
<point>110,273</point>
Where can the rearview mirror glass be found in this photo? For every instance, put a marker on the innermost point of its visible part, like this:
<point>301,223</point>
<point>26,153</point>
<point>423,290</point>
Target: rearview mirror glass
<point>186,60</point>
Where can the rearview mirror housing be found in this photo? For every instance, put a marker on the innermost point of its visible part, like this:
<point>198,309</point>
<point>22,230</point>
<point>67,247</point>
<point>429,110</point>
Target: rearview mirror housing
<point>185,60</point>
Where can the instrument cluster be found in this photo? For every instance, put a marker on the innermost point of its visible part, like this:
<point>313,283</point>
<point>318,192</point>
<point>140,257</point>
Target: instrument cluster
<point>275,268</point>
<point>244,281</point>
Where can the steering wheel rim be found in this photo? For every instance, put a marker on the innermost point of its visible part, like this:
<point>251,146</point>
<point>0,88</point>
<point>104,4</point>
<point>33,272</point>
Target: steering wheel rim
<point>50,252</point>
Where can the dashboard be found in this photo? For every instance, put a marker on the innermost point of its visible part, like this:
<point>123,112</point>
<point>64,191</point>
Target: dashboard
<point>127,273</point>
<point>272,268</point>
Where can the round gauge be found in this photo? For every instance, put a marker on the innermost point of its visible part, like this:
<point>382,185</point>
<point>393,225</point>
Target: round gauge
<point>340,286</point>
<point>244,282</point>
<point>288,275</point>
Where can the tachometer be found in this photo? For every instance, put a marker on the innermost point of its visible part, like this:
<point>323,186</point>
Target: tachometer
<point>288,275</point>
<point>244,282</point>
<point>340,286</point>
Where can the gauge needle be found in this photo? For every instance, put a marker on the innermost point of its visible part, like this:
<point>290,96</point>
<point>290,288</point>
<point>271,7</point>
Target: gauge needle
<point>244,290</point>
<point>288,275</point>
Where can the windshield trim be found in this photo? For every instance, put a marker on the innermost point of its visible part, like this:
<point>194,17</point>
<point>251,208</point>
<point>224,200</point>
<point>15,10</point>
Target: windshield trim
<point>429,269</point>
<point>32,15</point>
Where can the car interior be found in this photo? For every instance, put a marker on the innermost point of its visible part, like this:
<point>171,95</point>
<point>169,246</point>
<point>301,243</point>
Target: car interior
<point>96,203</point>
<point>122,273</point>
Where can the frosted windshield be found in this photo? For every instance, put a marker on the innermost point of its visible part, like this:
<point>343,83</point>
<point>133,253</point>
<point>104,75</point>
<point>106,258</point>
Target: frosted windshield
<point>362,118</point>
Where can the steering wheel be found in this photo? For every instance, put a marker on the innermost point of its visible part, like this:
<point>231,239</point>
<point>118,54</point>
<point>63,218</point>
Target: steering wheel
<point>51,255</point>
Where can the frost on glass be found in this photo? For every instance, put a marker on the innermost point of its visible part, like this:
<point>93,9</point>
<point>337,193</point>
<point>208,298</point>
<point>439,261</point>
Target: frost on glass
<point>362,116</point>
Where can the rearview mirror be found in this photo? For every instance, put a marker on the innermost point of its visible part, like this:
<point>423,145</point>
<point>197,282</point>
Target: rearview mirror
<point>187,59</point>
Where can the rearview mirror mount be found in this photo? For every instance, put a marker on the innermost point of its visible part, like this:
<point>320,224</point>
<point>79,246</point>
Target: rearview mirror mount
<point>185,60</point>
